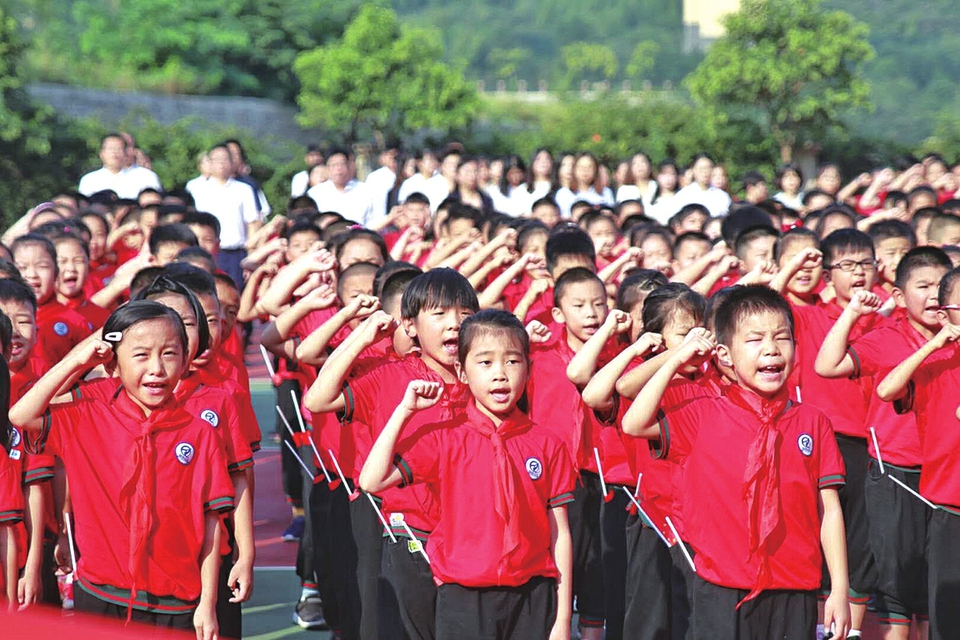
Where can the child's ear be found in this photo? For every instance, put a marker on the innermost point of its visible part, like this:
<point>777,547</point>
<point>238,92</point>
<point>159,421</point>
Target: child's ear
<point>557,315</point>
<point>899,298</point>
<point>410,327</point>
<point>461,373</point>
<point>943,318</point>
<point>724,356</point>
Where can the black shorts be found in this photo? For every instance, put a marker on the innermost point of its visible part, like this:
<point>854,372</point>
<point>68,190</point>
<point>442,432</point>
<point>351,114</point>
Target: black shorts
<point>898,537</point>
<point>781,614</point>
<point>863,572</point>
<point>497,613</point>
<point>944,580</point>
<point>584,515</point>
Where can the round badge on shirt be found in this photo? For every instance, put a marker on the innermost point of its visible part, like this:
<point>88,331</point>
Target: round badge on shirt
<point>60,328</point>
<point>805,442</point>
<point>210,416</point>
<point>15,437</point>
<point>184,452</point>
<point>534,468</point>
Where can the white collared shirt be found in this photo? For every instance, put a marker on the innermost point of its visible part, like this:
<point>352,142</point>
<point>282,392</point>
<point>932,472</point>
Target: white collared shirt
<point>717,201</point>
<point>127,183</point>
<point>353,203</point>
<point>299,184</point>
<point>379,184</point>
<point>566,197</point>
<point>232,203</point>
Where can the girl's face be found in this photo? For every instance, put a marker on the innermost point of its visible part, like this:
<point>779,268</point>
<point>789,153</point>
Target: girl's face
<point>585,171</point>
<point>547,214</point>
<point>640,167</point>
<point>150,362</point>
<point>495,369</point>
<point>491,173</point>
<point>467,175</point>
<point>829,180</point>
<point>542,166</point>
<point>667,178</point>
<point>621,173</point>
<point>73,266</point>
<point>565,172</point>
<point>179,304</point>
<point>674,333</point>
<point>515,176</point>
<point>38,268</point>
<point>360,250</point>
<point>604,235</point>
<point>790,182</point>
<point>718,178</point>
<point>98,237</point>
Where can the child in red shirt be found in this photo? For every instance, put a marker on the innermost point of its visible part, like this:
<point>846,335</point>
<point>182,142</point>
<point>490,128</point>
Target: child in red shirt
<point>147,479</point>
<point>927,383</point>
<point>73,271</point>
<point>59,328</point>
<point>501,551</point>
<point>898,521</point>
<point>759,480</point>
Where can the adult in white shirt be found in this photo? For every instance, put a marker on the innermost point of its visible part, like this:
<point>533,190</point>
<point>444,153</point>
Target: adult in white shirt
<point>339,192</point>
<point>641,185</point>
<point>511,196</point>
<point>233,203</point>
<point>301,181</point>
<point>203,166</point>
<point>126,182</point>
<point>379,184</point>
<point>717,201</point>
<point>417,183</point>
<point>586,173</point>
<point>439,187</point>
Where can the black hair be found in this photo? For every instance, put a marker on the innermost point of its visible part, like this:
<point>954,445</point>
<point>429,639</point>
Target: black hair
<point>302,226</point>
<point>636,286</point>
<point>810,194</point>
<point>640,233</point>
<point>491,321</point>
<point>888,229</point>
<point>745,301</point>
<point>139,311</point>
<point>337,227</point>
<point>920,191</point>
<point>571,277</point>
<point>388,269</point>
<point>393,286</point>
<point>438,288</point>
<point>197,280</point>
<point>164,285</point>
<point>169,233</point>
<point>947,284</point>
<point>545,201</point>
<point>688,210</point>
<point>342,239</point>
<point>895,197</point>
<point>940,223</point>
<point>71,237</point>
<point>745,237</point>
<point>301,204</point>
<point>783,170</point>
<point>792,236</point>
<point>17,291</point>
<point>193,255</point>
<point>844,241</point>
<point>227,280</point>
<point>36,240</point>
<point>9,270</point>
<point>588,219</point>
<point>93,213</point>
<point>569,241</point>
<point>460,211</point>
<point>356,269</point>
<point>949,206</point>
<point>743,218</point>
<point>202,219</point>
<point>917,259</point>
<point>752,179</point>
<point>664,302</point>
<point>6,333</point>
<point>144,278</point>
<point>417,198</point>
<point>527,229</point>
<point>690,236</point>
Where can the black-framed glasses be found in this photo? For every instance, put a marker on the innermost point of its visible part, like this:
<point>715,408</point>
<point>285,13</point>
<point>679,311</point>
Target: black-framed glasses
<point>849,266</point>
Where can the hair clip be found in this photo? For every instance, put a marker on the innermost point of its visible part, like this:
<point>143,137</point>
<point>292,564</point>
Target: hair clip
<point>113,336</point>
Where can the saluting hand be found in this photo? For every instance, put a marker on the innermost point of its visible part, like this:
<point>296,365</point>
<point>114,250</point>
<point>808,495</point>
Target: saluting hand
<point>648,343</point>
<point>421,395</point>
<point>864,303</point>
<point>698,343</point>
<point>617,322</point>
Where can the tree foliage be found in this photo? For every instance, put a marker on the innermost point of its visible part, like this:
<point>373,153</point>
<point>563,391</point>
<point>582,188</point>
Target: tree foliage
<point>795,65</point>
<point>383,78</point>
<point>589,62</point>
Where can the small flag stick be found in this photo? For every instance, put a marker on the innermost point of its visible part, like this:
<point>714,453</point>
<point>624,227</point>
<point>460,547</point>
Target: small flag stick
<point>383,521</point>
<point>876,447</point>
<point>266,361</point>
<point>683,547</point>
<point>303,428</point>
<point>603,483</point>
<point>300,460</point>
<point>343,478</point>
<point>644,514</point>
<point>73,551</point>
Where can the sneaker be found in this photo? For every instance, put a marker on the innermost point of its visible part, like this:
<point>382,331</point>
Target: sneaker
<point>294,530</point>
<point>309,613</point>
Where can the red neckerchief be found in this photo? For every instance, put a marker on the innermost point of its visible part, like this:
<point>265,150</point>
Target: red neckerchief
<point>140,476</point>
<point>761,480</point>
<point>504,474</point>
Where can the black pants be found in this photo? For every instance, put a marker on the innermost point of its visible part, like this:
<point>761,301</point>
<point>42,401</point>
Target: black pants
<point>411,581</point>
<point>648,614</point>
<point>898,538</point>
<point>368,536</point>
<point>86,603</point>
<point>784,615</point>
<point>613,552</point>
<point>526,612</point>
<point>584,514</point>
<point>229,261</point>
<point>944,581</point>
<point>229,616</point>
<point>289,467</point>
<point>863,572</point>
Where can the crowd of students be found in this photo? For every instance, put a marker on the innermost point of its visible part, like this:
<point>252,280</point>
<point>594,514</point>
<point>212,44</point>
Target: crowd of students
<point>504,397</point>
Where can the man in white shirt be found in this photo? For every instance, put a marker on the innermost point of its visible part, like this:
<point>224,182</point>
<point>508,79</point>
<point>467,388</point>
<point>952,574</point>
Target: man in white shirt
<point>379,184</point>
<point>717,201</point>
<point>126,182</point>
<point>234,205</point>
<point>301,182</point>
<point>341,193</point>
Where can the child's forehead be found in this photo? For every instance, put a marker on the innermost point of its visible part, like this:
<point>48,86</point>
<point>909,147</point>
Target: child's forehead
<point>925,273</point>
<point>11,306</point>
<point>304,235</point>
<point>894,241</point>
<point>760,319</point>
<point>584,289</point>
<point>850,253</point>
<point>495,340</point>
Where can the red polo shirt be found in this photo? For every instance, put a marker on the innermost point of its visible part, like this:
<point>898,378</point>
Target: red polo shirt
<point>140,488</point>
<point>12,506</point>
<point>495,528</point>
<point>712,437</point>
<point>314,320</point>
<point>211,377</point>
<point>371,400</point>
<point>96,316</point>
<point>844,400</point>
<point>875,355</point>
<point>59,330</point>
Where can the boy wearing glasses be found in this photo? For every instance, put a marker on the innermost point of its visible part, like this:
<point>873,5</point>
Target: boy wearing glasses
<point>849,264</point>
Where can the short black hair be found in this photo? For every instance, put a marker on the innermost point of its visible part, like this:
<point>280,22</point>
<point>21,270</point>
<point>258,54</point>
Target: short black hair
<point>356,269</point>
<point>844,241</point>
<point>140,311</point>
<point>438,288</point>
<point>144,278</point>
<point>571,277</point>
<point>460,211</point>
<point>195,255</point>
<point>9,270</point>
<point>342,239</point>
<point>940,223</point>
<point>748,235</point>
<point>947,284</point>
<point>636,286</point>
<point>887,229</point>
<point>743,218</point>
<point>227,280</point>
<point>390,268</point>
<point>171,233</point>
<point>301,226</point>
<point>36,239</point>
<point>663,303</point>
<point>202,219</point>
<point>810,194</point>
<point>743,301</point>
<point>690,236</point>
<point>164,285</point>
<point>545,201</point>
<point>791,236</point>
<point>917,259</point>
<point>491,321</point>
<point>392,288</point>
<point>590,218</point>
<point>17,291</point>
<point>6,336</point>
<point>569,241</point>
<point>417,198</point>
<point>197,280</point>
<point>752,179</point>
<point>529,229</point>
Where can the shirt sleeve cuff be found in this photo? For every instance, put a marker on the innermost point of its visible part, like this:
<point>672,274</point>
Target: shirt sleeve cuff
<point>560,500</point>
<point>835,480</point>
<point>406,474</point>
<point>660,448</point>
<point>35,441</point>
<point>219,504</point>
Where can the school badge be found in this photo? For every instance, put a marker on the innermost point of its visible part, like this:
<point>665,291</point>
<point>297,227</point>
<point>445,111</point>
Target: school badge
<point>184,452</point>
<point>805,442</point>
<point>60,329</point>
<point>15,437</point>
<point>534,468</point>
<point>210,416</point>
